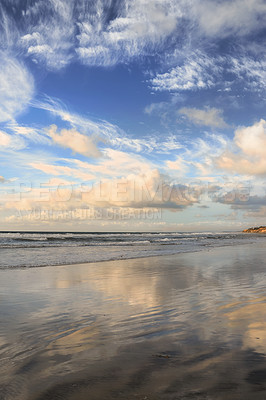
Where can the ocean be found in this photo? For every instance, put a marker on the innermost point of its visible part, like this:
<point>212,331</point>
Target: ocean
<point>36,249</point>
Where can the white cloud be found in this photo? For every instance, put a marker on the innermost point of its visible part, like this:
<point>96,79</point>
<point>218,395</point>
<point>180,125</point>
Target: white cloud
<point>149,190</point>
<point>139,27</point>
<point>252,140</point>
<point>10,142</point>
<point>200,70</point>
<point>211,117</point>
<point>72,139</point>
<point>179,165</point>
<point>109,133</point>
<point>106,32</point>
<point>116,164</point>
<point>197,72</point>
<point>156,108</point>
<point>98,128</point>
<point>55,32</point>
<point>102,32</point>
<point>16,87</point>
<point>55,182</point>
<point>195,160</point>
<point>5,140</point>
<point>248,154</point>
<point>252,72</point>
<point>62,170</point>
<point>113,164</point>
<point>234,17</point>
<point>34,135</point>
<point>50,32</point>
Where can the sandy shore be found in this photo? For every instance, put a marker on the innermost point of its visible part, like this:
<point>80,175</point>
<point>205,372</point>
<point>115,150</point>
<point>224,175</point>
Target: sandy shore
<point>189,326</point>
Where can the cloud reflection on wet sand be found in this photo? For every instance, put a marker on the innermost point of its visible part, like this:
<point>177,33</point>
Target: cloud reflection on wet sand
<point>176,327</point>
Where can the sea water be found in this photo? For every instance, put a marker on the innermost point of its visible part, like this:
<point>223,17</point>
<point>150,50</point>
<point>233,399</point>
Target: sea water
<point>33,249</point>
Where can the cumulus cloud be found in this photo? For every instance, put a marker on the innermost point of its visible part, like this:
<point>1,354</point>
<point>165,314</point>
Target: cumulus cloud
<point>211,117</point>
<point>179,165</point>
<point>252,140</point>
<point>248,155</point>
<point>72,139</point>
<point>247,196</point>
<point>150,190</point>
<point>55,182</point>
<point>16,87</point>
<point>243,200</point>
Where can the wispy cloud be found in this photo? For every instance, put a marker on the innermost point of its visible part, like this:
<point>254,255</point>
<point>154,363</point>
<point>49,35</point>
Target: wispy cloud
<point>16,87</point>
<point>252,72</point>
<point>234,17</point>
<point>106,32</point>
<point>201,70</point>
<point>50,31</point>
<point>98,128</point>
<point>32,135</point>
<point>117,164</point>
<point>10,142</point>
<point>139,27</point>
<point>198,71</point>
<point>180,35</point>
<point>62,170</point>
<point>102,32</point>
<point>110,134</point>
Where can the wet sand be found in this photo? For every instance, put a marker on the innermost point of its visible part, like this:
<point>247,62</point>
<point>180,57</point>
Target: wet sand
<point>189,326</point>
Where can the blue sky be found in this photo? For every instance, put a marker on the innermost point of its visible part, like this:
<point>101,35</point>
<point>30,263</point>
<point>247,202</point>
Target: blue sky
<point>132,115</point>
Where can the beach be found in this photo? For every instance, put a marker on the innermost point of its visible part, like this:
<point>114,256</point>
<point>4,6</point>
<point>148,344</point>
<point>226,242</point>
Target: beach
<point>132,200</point>
<point>182,326</point>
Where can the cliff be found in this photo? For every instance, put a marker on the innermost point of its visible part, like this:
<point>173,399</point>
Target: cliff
<point>260,229</point>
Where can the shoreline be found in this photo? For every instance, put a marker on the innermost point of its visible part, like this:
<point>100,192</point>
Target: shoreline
<point>123,257</point>
<point>155,327</point>
<point>109,260</point>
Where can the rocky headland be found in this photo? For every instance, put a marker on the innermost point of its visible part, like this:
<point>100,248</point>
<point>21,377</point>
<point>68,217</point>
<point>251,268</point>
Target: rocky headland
<point>260,229</point>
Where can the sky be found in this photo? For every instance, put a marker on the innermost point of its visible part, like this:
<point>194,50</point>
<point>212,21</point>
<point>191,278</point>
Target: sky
<point>132,115</point>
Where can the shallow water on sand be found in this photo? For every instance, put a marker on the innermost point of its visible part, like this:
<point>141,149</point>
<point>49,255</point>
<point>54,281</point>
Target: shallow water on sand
<point>188,326</point>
